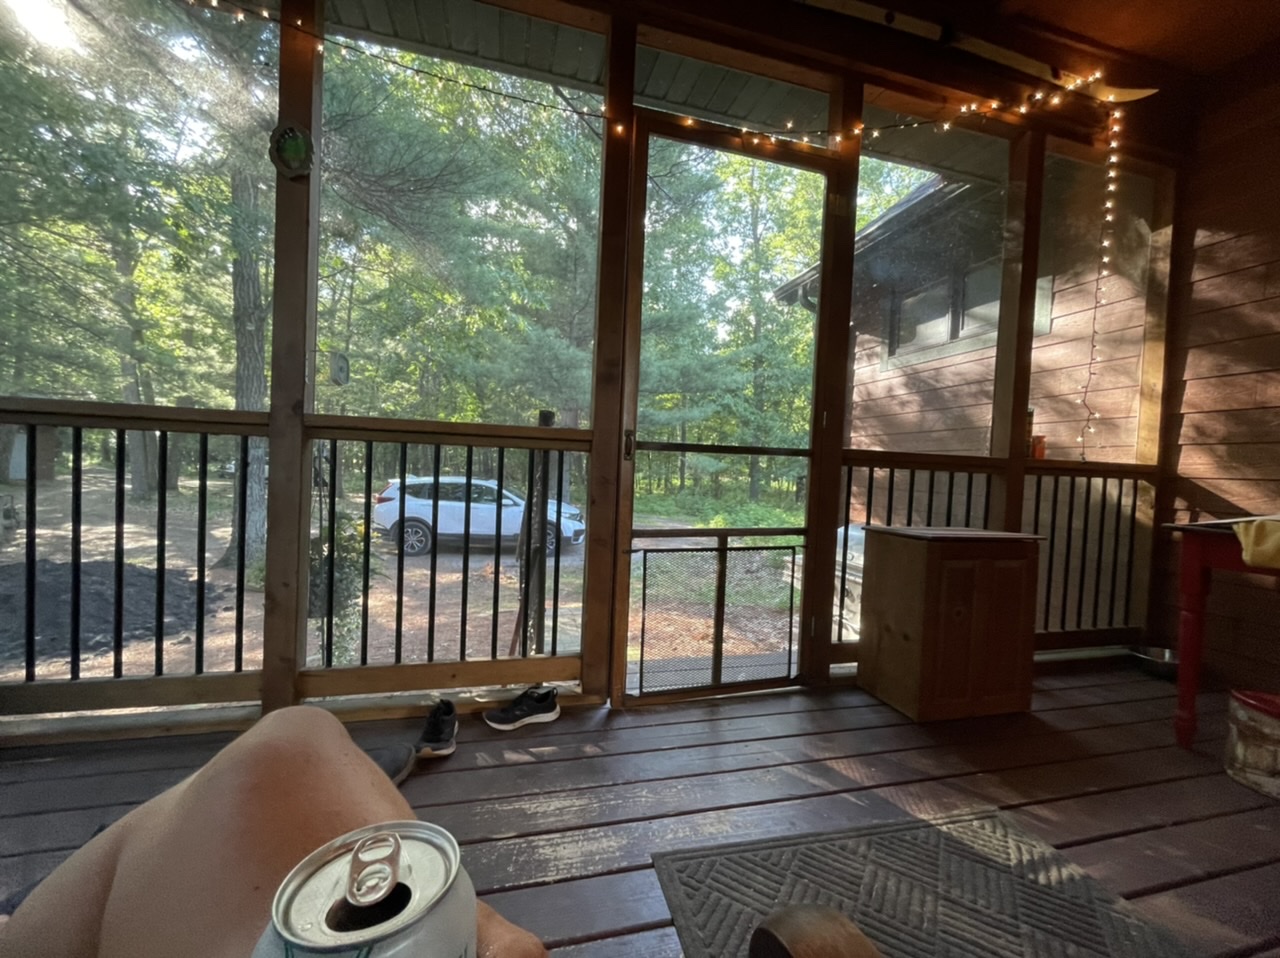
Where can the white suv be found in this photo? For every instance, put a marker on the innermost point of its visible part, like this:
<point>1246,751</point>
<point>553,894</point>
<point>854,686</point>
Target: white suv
<point>427,515</point>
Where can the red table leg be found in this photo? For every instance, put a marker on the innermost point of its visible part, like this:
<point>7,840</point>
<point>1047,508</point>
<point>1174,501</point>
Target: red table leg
<point>1193,586</point>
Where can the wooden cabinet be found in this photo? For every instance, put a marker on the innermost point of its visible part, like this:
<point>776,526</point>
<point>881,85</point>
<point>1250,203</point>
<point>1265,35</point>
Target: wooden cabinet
<point>948,620</point>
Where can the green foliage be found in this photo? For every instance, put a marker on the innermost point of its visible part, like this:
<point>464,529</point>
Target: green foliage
<point>459,242</point>
<point>347,562</point>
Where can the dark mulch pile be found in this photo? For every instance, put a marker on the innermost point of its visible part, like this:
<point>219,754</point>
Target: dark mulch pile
<point>97,606</point>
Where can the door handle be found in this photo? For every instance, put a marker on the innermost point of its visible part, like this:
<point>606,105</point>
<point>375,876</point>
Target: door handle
<point>628,445</point>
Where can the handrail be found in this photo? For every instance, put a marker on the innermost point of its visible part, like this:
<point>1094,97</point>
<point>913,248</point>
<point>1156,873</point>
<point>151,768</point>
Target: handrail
<point>97,415</point>
<point>385,429</point>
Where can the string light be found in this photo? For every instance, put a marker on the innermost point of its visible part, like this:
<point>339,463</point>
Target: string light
<point>1105,238</point>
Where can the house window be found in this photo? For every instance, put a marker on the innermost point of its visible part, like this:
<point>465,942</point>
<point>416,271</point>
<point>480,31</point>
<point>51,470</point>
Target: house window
<point>925,322</point>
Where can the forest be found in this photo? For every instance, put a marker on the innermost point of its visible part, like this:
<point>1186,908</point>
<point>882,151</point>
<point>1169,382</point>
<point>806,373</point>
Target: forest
<point>458,245</point>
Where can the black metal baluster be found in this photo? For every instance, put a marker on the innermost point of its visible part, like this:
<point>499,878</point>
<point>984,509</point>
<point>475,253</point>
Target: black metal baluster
<point>1102,542</point>
<point>928,512</point>
<point>986,500</point>
<point>1084,549</point>
<point>29,607</point>
<point>1053,542</point>
<point>844,556</point>
<point>951,494</point>
<point>162,520</point>
<point>526,567</point>
<point>435,546</point>
<point>77,530</point>
<point>242,494</point>
<point>497,556</point>
<point>888,506</point>
<point>1066,557</point>
<point>555,567</point>
<point>871,491</point>
<point>644,608</point>
<point>404,494</point>
<point>366,544</point>
<point>1115,556</point>
<point>791,614</point>
<point>117,613</point>
<point>911,496</point>
<point>466,555</point>
<point>1133,528</point>
<point>202,541</point>
<point>1035,529</point>
<point>330,567</point>
<point>968,502</point>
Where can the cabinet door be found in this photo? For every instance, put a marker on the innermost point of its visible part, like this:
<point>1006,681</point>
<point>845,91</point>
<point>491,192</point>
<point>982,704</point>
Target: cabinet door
<point>1001,675</point>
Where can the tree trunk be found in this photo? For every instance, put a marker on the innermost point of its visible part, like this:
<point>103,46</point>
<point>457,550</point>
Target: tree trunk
<point>248,316</point>
<point>141,447</point>
<point>8,435</point>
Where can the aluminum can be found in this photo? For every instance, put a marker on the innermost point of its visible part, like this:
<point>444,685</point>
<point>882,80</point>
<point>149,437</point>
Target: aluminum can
<point>398,888</point>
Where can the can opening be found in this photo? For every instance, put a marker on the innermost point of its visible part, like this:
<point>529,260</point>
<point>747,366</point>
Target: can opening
<point>344,916</point>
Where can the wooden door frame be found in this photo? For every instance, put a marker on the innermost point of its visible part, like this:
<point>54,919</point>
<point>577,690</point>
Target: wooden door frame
<point>834,166</point>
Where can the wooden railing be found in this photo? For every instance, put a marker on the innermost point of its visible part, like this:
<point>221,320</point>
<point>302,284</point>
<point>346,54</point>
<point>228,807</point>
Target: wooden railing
<point>1095,519</point>
<point>134,553</point>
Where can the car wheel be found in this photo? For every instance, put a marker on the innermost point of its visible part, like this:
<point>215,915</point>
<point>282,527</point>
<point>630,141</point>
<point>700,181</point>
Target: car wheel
<point>417,537</point>
<point>550,540</point>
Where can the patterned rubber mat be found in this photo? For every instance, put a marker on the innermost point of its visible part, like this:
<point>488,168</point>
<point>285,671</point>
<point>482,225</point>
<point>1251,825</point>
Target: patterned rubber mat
<point>969,887</point>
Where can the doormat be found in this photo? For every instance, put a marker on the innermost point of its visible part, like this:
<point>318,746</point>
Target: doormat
<point>966,887</point>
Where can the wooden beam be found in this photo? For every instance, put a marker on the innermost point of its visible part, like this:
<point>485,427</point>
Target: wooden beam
<point>687,695</point>
<point>96,415</point>
<point>381,429</point>
<point>1087,638</point>
<point>1155,331</point>
<point>292,364</point>
<point>365,680</point>
<point>827,429</point>
<point>604,614</point>
<point>31,698</point>
<point>1016,334</point>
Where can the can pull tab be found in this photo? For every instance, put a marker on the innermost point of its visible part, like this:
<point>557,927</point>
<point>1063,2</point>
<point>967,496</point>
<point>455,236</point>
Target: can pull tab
<point>375,869</point>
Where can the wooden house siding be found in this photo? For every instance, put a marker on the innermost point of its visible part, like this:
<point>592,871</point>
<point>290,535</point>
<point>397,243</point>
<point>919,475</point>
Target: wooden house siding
<point>1224,435</point>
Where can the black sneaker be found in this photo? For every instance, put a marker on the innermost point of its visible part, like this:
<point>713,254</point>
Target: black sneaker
<point>395,760</point>
<point>531,705</point>
<point>438,737</point>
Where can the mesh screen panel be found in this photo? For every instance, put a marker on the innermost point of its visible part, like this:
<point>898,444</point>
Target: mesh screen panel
<point>681,642</point>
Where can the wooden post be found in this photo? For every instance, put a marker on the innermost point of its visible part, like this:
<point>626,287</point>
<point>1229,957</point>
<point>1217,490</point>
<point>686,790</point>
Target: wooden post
<point>604,658</point>
<point>1016,333</point>
<point>292,365</point>
<point>831,385</point>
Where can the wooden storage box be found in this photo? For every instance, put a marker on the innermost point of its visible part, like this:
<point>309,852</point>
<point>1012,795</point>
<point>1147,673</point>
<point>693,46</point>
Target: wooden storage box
<point>948,620</point>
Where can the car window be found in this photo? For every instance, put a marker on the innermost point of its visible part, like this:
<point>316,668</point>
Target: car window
<point>484,494</point>
<point>451,492</point>
<point>419,490</point>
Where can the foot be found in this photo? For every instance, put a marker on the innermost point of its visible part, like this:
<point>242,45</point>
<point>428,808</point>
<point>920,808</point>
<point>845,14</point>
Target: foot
<point>809,931</point>
<point>396,760</point>
<point>532,705</point>
<point>439,736</point>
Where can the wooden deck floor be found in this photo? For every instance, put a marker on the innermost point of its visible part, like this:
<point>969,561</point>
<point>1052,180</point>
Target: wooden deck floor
<point>557,822</point>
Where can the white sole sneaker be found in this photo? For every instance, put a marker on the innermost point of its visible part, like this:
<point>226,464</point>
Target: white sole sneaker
<point>426,751</point>
<point>527,720</point>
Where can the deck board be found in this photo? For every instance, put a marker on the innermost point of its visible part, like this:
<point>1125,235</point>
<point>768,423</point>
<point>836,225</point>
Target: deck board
<point>558,822</point>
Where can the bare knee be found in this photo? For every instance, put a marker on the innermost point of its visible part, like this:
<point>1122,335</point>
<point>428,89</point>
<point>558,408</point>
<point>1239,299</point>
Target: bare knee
<point>285,750</point>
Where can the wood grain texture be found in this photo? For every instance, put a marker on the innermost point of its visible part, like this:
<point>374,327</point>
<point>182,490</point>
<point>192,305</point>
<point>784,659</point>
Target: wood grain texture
<point>1223,440</point>
<point>558,822</point>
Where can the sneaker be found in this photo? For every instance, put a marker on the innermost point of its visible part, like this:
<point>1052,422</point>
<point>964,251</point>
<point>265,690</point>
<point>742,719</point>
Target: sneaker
<point>531,705</point>
<point>438,736</point>
<point>395,760</point>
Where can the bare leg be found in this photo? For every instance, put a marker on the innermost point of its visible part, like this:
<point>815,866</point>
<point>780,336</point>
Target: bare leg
<point>193,871</point>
